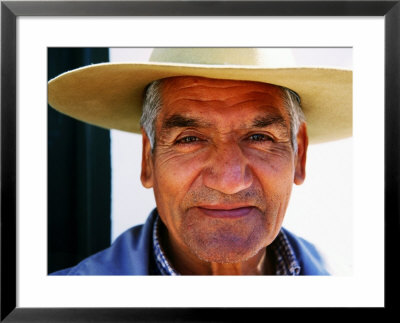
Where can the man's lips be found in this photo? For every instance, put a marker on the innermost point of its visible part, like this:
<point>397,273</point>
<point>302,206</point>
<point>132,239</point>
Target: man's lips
<point>225,211</point>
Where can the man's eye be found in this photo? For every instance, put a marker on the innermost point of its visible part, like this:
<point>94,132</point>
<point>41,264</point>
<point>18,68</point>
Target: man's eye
<point>260,137</point>
<point>187,140</point>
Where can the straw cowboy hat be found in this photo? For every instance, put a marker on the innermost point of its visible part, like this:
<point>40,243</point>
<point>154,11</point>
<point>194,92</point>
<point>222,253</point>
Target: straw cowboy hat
<point>110,95</point>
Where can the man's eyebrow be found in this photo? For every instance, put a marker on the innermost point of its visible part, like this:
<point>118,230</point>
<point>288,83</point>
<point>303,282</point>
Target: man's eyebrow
<point>179,121</point>
<point>265,121</point>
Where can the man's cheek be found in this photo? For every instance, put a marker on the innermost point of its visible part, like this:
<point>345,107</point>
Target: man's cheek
<point>180,172</point>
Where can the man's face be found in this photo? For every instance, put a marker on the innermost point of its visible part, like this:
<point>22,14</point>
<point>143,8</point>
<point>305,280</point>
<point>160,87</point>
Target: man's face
<point>222,167</point>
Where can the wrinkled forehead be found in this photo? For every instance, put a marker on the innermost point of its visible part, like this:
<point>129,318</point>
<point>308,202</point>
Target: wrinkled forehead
<point>173,84</point>
<point>190,95</point>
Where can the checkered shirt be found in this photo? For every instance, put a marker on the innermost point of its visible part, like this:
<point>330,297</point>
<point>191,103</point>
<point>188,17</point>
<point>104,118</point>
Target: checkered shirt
<point>285,259</point>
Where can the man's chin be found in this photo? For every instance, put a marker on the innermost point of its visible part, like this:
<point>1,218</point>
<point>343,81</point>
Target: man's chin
<point>225,240</point>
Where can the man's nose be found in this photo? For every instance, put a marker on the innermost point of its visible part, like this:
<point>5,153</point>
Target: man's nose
<point>228,170</point>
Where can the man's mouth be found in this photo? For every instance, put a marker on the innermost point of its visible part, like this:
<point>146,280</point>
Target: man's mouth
<point>227,212</point>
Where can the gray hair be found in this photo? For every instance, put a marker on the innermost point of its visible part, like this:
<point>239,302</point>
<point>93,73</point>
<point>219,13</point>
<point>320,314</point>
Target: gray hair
<point>293,107</point>
<point>152,106</point>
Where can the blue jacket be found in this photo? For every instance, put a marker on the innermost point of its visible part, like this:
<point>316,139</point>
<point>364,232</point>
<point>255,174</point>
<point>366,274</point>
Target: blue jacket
<point>132,251</point>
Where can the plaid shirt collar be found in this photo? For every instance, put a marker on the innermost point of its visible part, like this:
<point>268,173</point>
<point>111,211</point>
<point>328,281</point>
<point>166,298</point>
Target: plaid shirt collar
<point>285,258</point>
<point>163,265</point>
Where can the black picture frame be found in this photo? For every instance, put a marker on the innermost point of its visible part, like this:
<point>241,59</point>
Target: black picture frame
<point>11,10</point>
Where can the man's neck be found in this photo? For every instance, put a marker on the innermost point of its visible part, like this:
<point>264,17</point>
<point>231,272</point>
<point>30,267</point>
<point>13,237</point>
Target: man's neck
<point>260,264</point>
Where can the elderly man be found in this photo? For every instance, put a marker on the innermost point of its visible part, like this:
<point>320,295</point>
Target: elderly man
<point>224,139</point>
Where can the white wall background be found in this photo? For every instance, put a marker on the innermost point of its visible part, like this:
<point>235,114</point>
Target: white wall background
<point>320,210</point>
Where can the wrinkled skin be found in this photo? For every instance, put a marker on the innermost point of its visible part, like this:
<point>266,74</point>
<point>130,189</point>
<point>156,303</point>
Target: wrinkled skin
<point>222,171</point>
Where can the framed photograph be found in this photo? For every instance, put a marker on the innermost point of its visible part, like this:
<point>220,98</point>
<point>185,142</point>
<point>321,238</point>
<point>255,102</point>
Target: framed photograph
<point>365,33</point>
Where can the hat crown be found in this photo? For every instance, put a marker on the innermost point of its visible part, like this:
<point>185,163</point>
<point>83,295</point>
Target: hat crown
<point>260,57</point>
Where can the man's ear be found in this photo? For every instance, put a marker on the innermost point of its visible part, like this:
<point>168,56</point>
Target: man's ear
<point>146,175</point>
<point>300,161</point>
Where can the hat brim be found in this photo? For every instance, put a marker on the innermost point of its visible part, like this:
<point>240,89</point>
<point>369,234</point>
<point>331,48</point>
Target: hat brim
<point>110,95</point>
